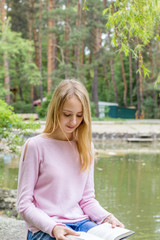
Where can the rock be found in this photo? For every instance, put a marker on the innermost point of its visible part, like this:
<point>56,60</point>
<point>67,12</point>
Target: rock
<point>8,201</point>
<point>11,228</point>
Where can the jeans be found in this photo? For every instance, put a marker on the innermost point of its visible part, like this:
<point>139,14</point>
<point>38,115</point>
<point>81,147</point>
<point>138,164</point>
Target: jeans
<point>83,225</point>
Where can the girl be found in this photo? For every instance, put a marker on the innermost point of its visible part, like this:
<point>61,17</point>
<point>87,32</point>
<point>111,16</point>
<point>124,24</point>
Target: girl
<point>56,186</point>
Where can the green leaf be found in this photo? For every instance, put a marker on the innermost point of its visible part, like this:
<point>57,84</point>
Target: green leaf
<point>85,6</point>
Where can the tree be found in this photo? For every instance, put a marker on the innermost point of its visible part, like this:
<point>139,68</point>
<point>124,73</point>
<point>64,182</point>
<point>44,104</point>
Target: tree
<point>24,71</point>
<point>40,49</point>
<point>51,45</point>
<point>72,43</point>
<point>134,21</point>
<point>67,34</point>
<point>130,78</point>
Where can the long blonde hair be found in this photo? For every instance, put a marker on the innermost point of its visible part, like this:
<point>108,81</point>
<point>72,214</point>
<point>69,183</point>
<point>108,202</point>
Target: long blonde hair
<point>65,90</point>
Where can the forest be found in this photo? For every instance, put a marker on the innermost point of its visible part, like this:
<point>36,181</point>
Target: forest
<point>112,46</point>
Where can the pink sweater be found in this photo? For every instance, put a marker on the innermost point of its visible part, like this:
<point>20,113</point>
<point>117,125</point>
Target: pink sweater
<point>51,188</point>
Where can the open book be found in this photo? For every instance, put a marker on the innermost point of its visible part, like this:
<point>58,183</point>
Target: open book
<point>103,232</point>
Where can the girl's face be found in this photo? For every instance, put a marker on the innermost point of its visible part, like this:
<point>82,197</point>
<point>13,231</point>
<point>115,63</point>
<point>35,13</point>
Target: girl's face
<point>71,116</point>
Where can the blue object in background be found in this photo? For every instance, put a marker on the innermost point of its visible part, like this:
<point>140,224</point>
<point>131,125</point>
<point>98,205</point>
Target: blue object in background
<point>7,158</point>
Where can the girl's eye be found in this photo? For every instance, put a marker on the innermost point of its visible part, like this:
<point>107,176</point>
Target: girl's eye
<point>67,115</point>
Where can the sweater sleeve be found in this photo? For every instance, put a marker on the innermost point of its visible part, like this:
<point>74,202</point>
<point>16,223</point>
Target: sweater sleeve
<point>88,203</point>
<point>28,175</point>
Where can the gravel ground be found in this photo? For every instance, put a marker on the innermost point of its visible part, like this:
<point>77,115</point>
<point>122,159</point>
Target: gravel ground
<point>127,126</point>
<point>11,229</point>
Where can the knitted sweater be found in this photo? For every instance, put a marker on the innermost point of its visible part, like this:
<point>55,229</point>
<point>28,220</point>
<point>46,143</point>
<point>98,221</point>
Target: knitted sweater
<point>52,189</point>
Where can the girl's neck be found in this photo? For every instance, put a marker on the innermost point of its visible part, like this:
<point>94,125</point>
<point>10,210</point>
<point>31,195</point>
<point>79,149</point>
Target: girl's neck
<point>59,135</point>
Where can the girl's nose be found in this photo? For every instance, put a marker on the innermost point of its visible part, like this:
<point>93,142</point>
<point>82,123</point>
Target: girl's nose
<point>73,120</point>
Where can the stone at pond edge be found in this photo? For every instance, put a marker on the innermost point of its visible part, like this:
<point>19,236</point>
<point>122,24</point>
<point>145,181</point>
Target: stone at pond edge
<point>8,199</point>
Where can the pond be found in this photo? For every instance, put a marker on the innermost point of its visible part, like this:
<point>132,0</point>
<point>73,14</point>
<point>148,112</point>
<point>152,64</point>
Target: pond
<point>127,178</point>
<point>127,184</point>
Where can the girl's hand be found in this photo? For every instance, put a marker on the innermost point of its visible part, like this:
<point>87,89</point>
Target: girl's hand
<point>60,232</point>
<point>114,221</point>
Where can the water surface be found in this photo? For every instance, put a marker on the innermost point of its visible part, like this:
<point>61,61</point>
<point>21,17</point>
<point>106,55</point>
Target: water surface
<point>128,186</point>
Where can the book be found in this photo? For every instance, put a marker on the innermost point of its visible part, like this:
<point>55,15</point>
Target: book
<point>103,231</point>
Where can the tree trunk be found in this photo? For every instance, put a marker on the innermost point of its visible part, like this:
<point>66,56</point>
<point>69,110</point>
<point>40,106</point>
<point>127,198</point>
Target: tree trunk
<point>138,112</point>
<point>113,80</point>
<point>124,79</point>
<point>97,45</point>
<point>36,47</point>
<point>90,58</point>
<point>77,48</point>
<point>51,47</point>
<point>123,71</point>
<point>21,92</point>
<point>130,78</point>
<point>2,9</point>
<point>40,50</point>
<point>30,21</point>
<point>141,85</point>
<point>112,68</point>
<point>105,76</point>
<point>152,77</point>
<point>83,45</point>
<point>157,51</point>
<point>67,36</point>
<point>151,60</point>
<point>95,90</point>
<point>36,52</point>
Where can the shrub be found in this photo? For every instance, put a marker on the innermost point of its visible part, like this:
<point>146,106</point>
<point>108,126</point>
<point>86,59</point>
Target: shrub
<point>9,122</point>
<point>22,107</point>
<point>42,110</point>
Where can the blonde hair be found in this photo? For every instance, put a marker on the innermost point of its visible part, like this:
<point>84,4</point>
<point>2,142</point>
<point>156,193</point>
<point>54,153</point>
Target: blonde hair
<point>65,90</point>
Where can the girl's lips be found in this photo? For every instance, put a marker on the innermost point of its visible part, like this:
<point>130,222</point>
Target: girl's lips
<point>70,127</point>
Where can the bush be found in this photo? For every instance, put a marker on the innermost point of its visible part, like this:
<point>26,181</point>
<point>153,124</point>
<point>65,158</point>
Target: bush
<point>93,111</point>
<point>149,107</point>
<point>9,122</point>
<point>22,107</point>
<point>42,110</point>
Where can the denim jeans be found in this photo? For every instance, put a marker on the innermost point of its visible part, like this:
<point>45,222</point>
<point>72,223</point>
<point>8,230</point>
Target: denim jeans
<point>84,226</point>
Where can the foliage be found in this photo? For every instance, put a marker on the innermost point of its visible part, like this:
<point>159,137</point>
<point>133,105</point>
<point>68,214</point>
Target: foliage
<point>150,109</point>
<point>42,110</point>
<point>93,113</point>
<point>85,5</point>
<point>133,24</point>
<point>19,52</point>
<point>22,107</point>
<point>10,124</point>
<point>3,91</point>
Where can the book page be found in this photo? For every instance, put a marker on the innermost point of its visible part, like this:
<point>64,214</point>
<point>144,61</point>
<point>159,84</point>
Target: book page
<point>106,232</point>
<point>83,236</point>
